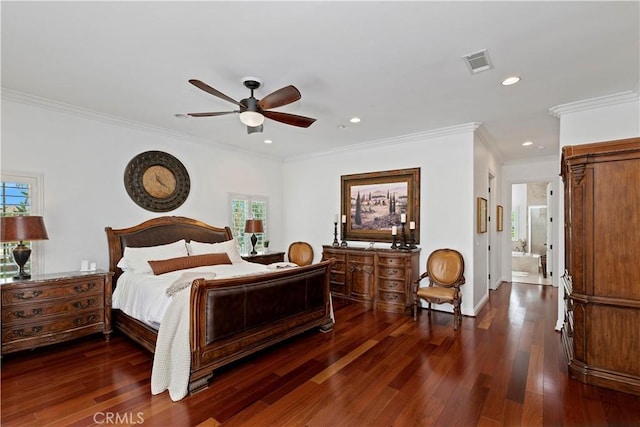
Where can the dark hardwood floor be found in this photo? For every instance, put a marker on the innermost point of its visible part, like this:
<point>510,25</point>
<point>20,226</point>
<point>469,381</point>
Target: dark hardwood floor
<point>504,367</point>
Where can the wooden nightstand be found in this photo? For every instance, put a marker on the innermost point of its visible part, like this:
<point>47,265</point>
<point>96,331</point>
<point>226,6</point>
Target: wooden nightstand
<point>52,308</point>
<point>268,258</point>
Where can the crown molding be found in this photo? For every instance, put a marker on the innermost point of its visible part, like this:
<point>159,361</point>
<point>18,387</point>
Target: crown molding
<point>396,140</point>
<point>593,103</point>
<point>484,137</point>
<point>49,104</point>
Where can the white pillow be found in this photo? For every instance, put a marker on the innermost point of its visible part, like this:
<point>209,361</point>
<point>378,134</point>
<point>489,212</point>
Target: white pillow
<point>137,258</point>
<point>229,246</point>
<point>122,265</point>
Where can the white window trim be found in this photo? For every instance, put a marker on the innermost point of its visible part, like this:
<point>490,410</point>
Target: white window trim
<point>250,198</point>
<point>36,194</point>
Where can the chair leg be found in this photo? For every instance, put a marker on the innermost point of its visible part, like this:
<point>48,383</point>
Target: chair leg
<point>415,309</point>
<point>457,316</point>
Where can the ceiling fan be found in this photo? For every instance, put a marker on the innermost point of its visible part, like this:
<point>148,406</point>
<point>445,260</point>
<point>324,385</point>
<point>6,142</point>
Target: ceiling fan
<point>253,111</point>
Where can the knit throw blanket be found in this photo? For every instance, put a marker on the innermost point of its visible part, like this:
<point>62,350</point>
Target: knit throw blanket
<point>172,358</point>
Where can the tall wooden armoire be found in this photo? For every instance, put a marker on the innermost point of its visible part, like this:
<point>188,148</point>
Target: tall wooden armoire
<point>601,332</point>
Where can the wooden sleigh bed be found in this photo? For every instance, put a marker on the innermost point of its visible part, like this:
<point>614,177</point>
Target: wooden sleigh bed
<point>233,317</point>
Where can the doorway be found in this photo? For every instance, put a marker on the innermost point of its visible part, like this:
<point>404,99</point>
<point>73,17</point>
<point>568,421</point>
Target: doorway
<point>529,233</point>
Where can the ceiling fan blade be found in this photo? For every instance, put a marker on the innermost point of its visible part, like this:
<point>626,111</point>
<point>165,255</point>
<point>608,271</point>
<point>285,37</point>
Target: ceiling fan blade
<point>205,87</point>
<point>254,129</point>
<point>290,119</point>
<point>280,97</point>
<point>219,113</point>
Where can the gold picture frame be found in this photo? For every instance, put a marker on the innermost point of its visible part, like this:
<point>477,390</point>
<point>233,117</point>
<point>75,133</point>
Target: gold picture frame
<point>374,202</point>
<point>498,218</point>
<point>482,215</point>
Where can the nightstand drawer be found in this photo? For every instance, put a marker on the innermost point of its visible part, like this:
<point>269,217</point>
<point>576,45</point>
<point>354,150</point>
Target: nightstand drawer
<point>36,329</point>
<point>37,293</point>
<point>21,313</point>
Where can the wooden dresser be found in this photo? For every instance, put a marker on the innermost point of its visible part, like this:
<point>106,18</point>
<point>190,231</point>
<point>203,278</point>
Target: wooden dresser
<point>52,308</point>
<point>381,278</point>
<point>601,333</point>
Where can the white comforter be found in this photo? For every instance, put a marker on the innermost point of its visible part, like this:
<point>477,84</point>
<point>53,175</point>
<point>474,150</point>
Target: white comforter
<point>144,296</point>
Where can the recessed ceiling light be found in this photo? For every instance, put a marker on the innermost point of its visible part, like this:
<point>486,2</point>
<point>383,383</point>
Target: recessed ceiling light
<point>268,141</point>
<point>510,81</point>
<point>527,143</point>
<point>341,126</point>
<point>540,147</point>
<point>181,116</point>
<point>354,119</point>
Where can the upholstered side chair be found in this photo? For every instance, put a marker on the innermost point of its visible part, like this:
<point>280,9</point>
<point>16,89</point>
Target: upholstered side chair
<point>445,270</point>
<point>300,253</point>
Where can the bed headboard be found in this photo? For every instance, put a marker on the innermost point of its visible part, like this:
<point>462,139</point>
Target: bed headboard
<point>160,231</point>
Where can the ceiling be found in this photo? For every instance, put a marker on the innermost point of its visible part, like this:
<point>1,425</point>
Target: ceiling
<point>397,65</point>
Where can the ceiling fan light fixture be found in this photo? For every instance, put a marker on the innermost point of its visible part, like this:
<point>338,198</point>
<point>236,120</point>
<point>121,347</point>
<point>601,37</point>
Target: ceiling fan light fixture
<point>251,118</point>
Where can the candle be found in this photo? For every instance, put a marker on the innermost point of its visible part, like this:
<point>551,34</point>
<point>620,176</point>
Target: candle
<point>403,218</point>
<point>344,219</point>
<point>394,230</point>
<point>412,225</point>
<point>335,219</point>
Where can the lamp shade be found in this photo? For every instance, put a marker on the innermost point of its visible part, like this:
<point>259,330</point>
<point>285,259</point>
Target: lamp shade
<point>253,226</point>
<point>251,118</point>
<point>19,228</point>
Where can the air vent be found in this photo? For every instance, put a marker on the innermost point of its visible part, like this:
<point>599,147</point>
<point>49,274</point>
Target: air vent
<point>478,61</point>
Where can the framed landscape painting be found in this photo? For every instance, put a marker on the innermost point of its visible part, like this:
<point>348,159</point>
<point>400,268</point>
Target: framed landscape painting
<point>374,202</point>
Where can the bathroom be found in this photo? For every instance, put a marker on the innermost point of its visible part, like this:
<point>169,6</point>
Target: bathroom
<point>529,234</point>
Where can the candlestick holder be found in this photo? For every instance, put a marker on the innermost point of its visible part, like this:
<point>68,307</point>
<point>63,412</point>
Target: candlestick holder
<point>412,239</point>
<point>403,245</point>
<point>394,243</point>
<point>343,243</point>
<point>335,235</point>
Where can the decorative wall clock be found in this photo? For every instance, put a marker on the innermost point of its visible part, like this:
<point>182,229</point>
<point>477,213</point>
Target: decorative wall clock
<point>157,181</point>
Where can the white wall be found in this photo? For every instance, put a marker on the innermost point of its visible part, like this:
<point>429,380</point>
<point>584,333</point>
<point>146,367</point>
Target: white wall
<point>447,211</point>
<point>82,160</point>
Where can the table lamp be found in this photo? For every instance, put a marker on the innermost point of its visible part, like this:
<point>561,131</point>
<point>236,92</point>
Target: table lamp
<point>19,229</point>
<point>253,226</point>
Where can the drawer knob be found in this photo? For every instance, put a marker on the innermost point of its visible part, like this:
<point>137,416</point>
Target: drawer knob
<point>84,287</point>
<point>85,321</point>
<point>27,295</point>
<point>84,304</point>
<point>20,314</point>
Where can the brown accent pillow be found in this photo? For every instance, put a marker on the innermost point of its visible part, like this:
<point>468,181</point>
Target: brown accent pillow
<point>181,263</point>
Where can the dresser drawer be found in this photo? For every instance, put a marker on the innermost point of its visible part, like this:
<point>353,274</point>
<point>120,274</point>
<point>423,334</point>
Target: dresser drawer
<point>35,329</point>
<point>391,261</point>
<point>42,292</point>
<point>22,313</point>
<point>337,277</point>
<point>391,285</point>
<point>391,297</point>
<point>360,259</point>
<point>391,273</point>
<point>338,257</point>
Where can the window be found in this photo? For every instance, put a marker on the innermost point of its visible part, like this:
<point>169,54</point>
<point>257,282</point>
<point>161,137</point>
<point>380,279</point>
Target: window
<point>245,207</point>
<point>18,196</point>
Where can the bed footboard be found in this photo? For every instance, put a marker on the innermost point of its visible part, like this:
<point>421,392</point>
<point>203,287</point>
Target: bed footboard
<point>232,318</point>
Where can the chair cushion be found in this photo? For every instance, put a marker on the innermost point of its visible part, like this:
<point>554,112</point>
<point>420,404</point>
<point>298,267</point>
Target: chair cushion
<point>437,293</point>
